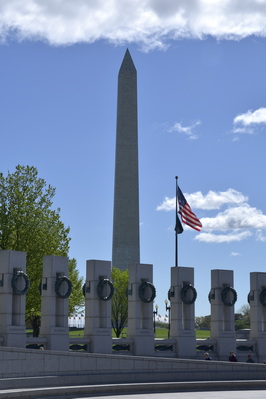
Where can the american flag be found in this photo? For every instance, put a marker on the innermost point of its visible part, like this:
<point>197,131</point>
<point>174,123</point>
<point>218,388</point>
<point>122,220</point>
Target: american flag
<point>188,217</point>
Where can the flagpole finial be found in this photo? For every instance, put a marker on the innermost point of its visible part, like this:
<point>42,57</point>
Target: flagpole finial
<point>176,177</point>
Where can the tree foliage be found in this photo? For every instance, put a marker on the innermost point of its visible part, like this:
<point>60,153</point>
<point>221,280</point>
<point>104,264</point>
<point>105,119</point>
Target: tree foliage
<point>203,322</point>
<point>76,301</point>
<point>119,300</point>
<point>242,318</point>
<point>29,224</point>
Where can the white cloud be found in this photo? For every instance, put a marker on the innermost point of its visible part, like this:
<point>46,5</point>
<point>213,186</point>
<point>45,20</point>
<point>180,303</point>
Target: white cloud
<point>235,223</point>
<point>234,218</point>
<point>245,123</point>
<point>187,130</point>
<point>212,200</point>
<point>223,238</point>
<point>260,236</point>
<point>252,117</point>
<point>150,23</point>
<point>167,205</point>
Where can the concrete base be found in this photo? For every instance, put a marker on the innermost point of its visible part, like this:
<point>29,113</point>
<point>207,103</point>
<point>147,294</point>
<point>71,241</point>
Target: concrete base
<point>98,368</point>
<point>186,346</point>
<point>143,346</point>
<point>14,336</point>
<point>261,347</point>
<point>225,344</point>
<point>101,343</point>
<point>58,338</point>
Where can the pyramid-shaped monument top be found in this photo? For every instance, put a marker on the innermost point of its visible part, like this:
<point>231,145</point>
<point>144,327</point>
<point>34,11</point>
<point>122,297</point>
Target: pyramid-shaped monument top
<point>127,63</point>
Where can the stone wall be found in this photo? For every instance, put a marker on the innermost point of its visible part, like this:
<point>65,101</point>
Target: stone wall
<point>57,367</point>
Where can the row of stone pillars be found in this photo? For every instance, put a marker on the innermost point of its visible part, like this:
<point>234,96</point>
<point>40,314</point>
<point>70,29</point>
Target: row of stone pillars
<point>54,309</point>
<point>98,331</point>
<point>222,297</point>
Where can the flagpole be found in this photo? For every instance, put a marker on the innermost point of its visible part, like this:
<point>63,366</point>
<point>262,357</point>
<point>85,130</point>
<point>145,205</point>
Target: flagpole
<point>176,235</point>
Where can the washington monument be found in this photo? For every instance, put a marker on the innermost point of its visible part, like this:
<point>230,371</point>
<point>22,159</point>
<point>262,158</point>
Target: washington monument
<point>126,246</point>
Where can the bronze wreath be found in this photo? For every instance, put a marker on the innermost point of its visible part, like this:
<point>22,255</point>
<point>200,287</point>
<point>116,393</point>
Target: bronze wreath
<point>183,294</point>
<point>250,296</point>
<point>42,287</point>
<point>142,290</point>
<point>100,287</point>
<point>211,296</point>
<point>84,289</point>
<point>171,293</point>
<point>16,276</point>
<point>58,282</point>
<point>263,297</point>
<point>224,294</point>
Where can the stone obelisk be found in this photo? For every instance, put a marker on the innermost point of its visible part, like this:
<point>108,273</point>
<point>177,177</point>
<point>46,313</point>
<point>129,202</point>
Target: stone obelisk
<point>126,246</point>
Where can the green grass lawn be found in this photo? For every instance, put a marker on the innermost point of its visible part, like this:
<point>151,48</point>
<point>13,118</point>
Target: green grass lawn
<point>160,333</point>
<point>200,334</point>
<point>203,334</point>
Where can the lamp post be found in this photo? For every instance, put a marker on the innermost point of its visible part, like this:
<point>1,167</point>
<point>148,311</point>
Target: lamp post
<point>155,312</point>
<point>168,308</point>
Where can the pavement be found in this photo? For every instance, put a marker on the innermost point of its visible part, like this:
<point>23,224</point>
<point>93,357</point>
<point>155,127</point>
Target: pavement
<point>167,390</point>
<point>197,395</point>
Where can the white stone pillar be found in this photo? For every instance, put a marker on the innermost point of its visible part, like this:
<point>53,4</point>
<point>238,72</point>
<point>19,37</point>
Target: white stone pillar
<point>257,301</point>
<point>140,309</point>
<point>182,312</point>
<point>222,297</point>
<point>98,293</point>
<point>13,299</point>
<point>54,307</point>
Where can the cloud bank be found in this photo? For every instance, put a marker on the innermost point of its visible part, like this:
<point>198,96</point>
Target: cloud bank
<point>236,222</point>
<point>247,122</point>
<point>151,23</point>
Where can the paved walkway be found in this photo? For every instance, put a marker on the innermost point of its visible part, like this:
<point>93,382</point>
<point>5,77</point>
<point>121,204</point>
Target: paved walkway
<point>196,395</point>
<point>196,390</point>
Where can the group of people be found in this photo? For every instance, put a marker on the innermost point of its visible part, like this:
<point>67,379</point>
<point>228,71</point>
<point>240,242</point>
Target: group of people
<point>232,357</point>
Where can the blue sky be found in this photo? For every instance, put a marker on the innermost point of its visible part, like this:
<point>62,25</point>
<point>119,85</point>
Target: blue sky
<point>201,116</point>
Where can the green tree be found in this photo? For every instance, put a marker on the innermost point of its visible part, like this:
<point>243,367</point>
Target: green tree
<point>76,301</point>
<point>119,300</point>
<point>29,224</point>
<point>242,318</point>
<point>203,322</point>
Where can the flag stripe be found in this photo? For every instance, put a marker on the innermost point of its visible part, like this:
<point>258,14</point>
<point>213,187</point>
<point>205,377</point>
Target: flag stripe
<point>191,222</point>
<point>188,217</point>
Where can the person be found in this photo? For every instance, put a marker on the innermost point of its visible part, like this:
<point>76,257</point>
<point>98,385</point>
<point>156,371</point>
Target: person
<point>250,359</point>
<point>207,356</point>
<point>232,357</point>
